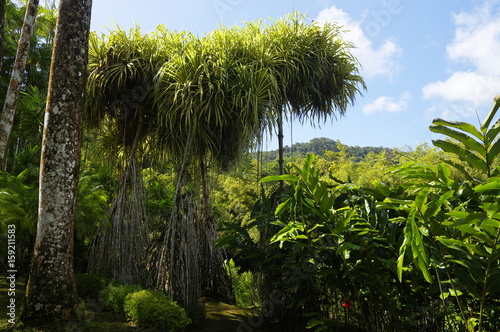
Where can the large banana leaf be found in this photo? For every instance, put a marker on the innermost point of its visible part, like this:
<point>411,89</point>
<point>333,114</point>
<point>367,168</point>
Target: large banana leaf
<point>468,142</point>
<point>480,148</point>
<point>463,126</point>
<point>472,159</point>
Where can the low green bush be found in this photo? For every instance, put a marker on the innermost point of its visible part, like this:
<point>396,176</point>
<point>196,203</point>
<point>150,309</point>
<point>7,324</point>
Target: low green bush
<point>152,309</point>
<point>89,285</point>
<point>113,296</point>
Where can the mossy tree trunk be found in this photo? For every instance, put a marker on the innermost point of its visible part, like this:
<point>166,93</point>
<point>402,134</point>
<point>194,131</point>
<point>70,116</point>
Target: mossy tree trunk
<point>51,292</point>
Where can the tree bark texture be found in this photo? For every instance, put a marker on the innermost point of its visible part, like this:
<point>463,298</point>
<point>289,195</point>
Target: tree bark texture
<point>175,264</point>
<point>119,251</point>
<point>51,292</point>
<point>214,279</point>
<point>9,108</point>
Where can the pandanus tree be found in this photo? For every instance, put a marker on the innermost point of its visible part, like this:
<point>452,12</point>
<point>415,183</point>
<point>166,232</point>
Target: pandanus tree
<point>212,98</point>
<point>202,102</point>
<point>121,71</point>
<point>317,79</point>
<point>317,76</point>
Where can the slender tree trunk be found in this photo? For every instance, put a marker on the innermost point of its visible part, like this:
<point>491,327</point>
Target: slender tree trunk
<point>51,292</point>
<point>281,161</point>
<point>9,108</point>
<point>3,8</point>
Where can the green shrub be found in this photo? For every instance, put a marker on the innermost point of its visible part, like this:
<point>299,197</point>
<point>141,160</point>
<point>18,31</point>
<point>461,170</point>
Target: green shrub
<point>152,309</point>
<point>113,297</point>
<point>89,285</point>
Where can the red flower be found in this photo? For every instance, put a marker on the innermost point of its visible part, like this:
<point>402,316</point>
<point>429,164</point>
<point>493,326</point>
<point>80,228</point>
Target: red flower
<point>347,303</point>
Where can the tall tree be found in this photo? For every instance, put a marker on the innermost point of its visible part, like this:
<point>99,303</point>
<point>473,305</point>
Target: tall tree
<point>211,97</point>
<point>316,73</point>
<point>35,78</point>
<point>121,70</point>
<point>51,291</point>
<point>3,9</point>
<point>9,108</point>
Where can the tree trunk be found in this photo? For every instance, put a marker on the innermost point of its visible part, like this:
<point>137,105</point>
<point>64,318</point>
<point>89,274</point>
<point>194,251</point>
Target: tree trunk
<point>281,158</point>
<point>3,8</point>
<point>119,251</point>
<point>175,261</point>
<point>9,108</point>
<point>51,292</point>
<point>215,281</point>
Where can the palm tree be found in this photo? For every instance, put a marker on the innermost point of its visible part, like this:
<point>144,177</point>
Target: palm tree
<point>27,132</point>
<point>51,290</point>
<point>17,75</point>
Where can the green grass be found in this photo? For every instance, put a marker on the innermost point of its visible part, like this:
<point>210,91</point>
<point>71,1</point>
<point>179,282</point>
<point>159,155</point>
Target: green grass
<point>220,317</point>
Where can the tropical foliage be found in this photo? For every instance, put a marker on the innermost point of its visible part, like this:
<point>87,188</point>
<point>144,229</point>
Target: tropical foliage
<point>431,240</point>
<point>360,238</point>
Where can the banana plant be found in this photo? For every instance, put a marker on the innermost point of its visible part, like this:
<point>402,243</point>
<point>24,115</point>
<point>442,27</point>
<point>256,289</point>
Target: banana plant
<point>478,147</point>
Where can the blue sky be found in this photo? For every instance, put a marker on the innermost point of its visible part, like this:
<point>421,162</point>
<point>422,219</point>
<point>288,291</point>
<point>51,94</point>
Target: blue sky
<point>420,59</point>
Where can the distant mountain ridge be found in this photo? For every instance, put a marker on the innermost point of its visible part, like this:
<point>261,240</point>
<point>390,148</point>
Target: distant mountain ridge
<point>317,146</point>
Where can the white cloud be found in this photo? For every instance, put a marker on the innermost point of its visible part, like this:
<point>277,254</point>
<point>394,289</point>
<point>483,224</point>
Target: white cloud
<point>474,53</point>
<point>388,104</point>
<point>379,61</point>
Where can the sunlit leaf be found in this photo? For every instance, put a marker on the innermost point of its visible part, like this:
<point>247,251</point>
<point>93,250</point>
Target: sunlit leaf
<point>491,222</point>
<point>282,207</point>
<point>469,142</point>
<point>465,155</point>
<point>284,177</point>
<point>464,126</point>
<point>493,185</point>
<point>493,132</point>
<point>491,115</point>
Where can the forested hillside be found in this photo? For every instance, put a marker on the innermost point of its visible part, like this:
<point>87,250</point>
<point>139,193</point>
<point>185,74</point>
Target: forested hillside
<point>319,145</point>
